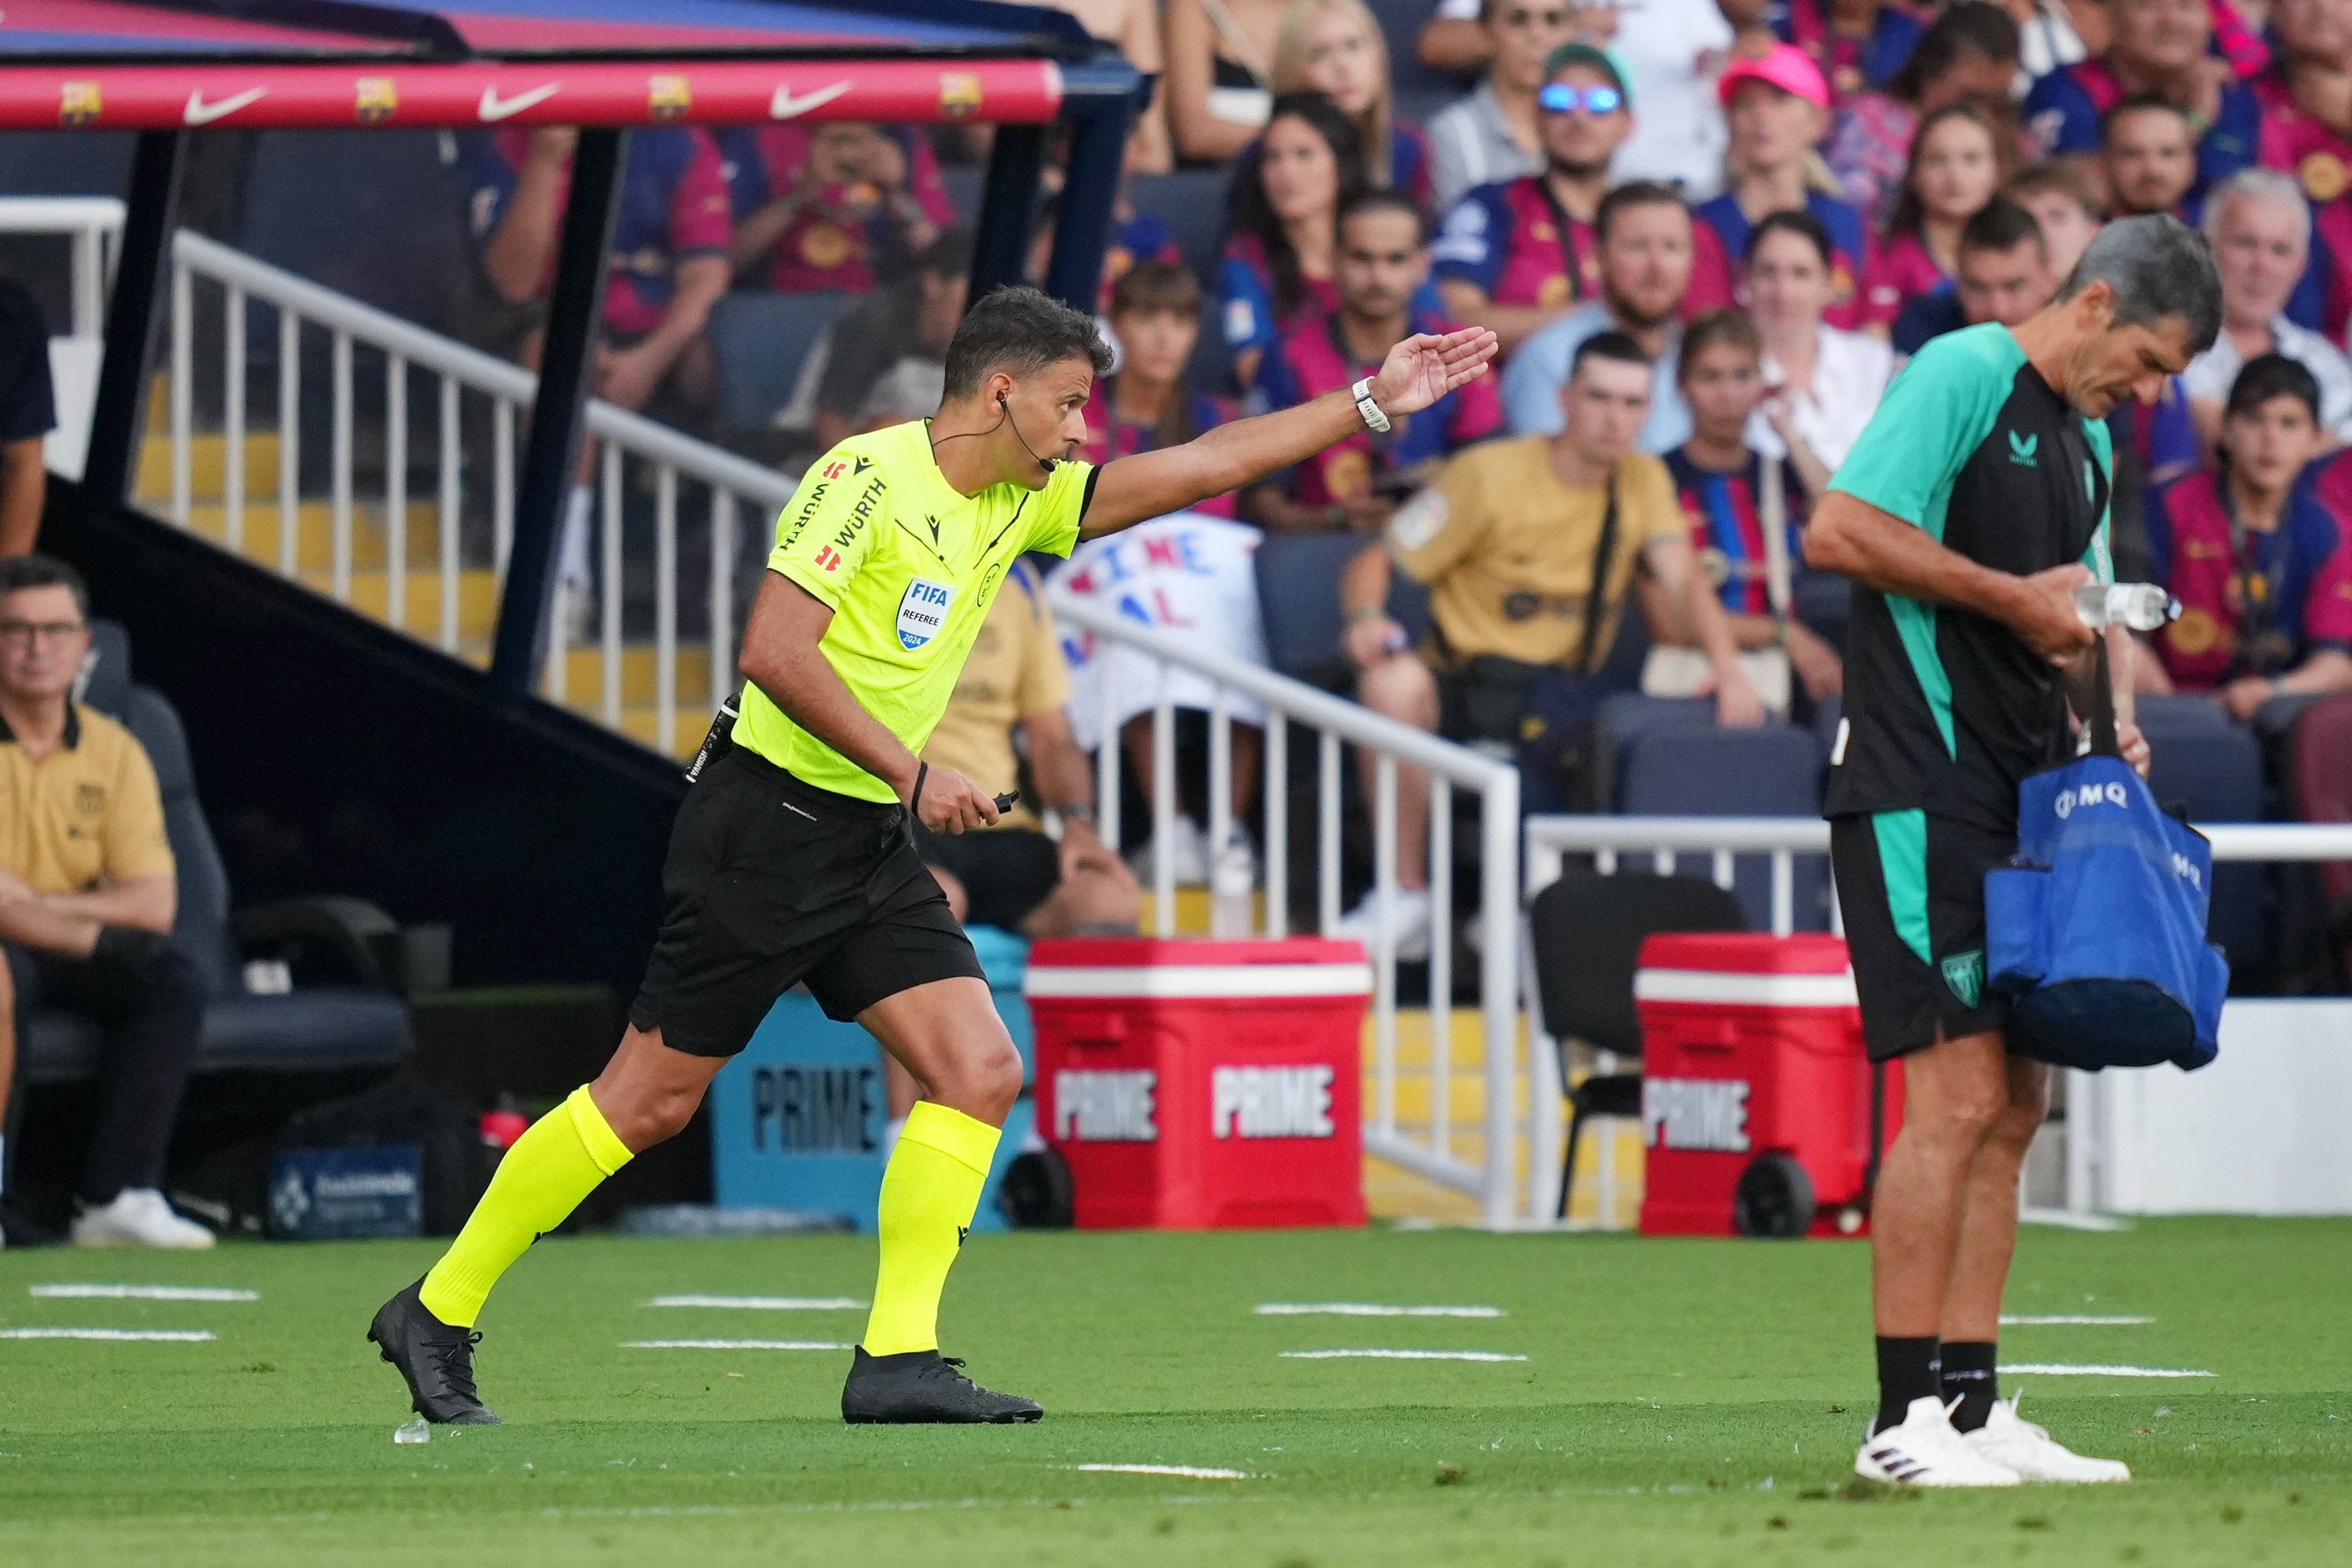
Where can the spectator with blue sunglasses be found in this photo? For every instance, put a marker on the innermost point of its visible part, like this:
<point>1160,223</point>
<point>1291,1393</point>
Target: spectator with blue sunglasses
<point>1515,255</point>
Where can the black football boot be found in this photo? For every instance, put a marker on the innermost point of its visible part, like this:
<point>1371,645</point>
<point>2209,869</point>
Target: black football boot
<point>436,1360</point>
<point>925,1387</point>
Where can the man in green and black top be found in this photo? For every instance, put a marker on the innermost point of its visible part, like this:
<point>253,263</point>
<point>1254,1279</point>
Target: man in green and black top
<point>1966,516</point>
<point>792,860</point>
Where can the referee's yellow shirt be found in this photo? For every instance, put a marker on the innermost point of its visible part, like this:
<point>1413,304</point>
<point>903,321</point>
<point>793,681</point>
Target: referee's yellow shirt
<point>909,566</point>
<point>86,815</point>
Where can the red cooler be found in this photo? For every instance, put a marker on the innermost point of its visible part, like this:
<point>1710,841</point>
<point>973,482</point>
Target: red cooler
<point>1756,1088</point>
<point>1191,1085</point>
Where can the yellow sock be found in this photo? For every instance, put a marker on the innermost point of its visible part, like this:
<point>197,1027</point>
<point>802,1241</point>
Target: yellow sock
<point>928,1192</point>
<point>552,1167</point>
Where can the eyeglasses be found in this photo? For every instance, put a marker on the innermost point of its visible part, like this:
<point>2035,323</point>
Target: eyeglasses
<point>22,634</point>
<point>1559,97</point>
<point>1534,19</point>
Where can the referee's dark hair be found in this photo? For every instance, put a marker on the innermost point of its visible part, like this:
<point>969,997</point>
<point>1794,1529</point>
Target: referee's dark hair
<point>19,573</point>
<point>1611,345</point>
<point>2159,267</point>
<point>2269,376</point>
<point>1019,331</point>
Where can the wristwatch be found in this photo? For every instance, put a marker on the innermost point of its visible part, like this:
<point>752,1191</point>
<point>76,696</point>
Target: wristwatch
<point>1373,418</point>
<point>1085,813</point>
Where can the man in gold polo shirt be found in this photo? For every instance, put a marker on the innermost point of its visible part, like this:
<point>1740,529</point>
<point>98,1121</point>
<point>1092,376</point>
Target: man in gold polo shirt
<point>87,896</point>
<point>1529,548</point>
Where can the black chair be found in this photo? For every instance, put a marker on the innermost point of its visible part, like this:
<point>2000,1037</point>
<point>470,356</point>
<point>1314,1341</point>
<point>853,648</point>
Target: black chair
<point>341,1029</point>
<point>1587,931</point>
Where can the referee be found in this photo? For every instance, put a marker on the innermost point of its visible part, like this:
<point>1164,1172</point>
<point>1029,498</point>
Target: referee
<point>1966,515</point>
<point>792,860</point>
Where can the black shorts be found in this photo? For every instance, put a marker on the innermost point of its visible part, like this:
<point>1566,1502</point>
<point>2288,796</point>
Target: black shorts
<point>771,882</point>
<point>1006,872</point>
<point>1910,886</point>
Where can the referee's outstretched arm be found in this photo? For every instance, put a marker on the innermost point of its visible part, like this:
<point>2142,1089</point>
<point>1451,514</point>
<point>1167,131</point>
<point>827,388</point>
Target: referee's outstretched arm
<point>1417,373</point>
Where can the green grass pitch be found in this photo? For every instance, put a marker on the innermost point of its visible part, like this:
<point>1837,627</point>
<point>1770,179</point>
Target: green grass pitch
<point>1682,1404</point>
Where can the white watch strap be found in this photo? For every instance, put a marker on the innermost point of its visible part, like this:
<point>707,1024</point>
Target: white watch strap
<point>1373,417</point>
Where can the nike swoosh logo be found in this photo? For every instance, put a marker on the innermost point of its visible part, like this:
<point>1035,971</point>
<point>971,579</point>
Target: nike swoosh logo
<point>199,112</point>
<point>495,108</point>
<point>784,106</point>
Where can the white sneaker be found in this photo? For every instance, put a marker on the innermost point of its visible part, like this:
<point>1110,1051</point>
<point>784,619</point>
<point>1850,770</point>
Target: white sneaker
<point>1187,850</point>
<point>1411,918</point>
<point>1925,1451</point>
<point>2009,1440</point>
<point>137,1218</point>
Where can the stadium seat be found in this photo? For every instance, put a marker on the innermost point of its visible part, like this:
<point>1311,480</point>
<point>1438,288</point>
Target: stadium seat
<point>1689,770</point>
<point>107,687</point>
<point>309,1029</point>
<point>963,182</point>
<point>1192,203</point>
<point>1419,93</point>
<point>1299,601</point>
<point>381,218</point>
<point>759,341</point>
<point>1587,933</point>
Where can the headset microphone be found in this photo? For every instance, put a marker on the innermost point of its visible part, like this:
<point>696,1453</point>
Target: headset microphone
<point>1006,408</point>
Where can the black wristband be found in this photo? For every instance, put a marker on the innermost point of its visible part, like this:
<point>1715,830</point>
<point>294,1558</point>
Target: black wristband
<point>915,800</point>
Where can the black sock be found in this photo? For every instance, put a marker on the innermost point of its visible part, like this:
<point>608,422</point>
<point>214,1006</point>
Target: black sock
<point>1968,1378</point>
<point>1907,1371</point>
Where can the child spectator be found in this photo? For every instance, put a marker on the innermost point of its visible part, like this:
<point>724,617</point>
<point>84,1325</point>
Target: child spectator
<point>1855,43</point>
<point>2260,228</point>
<point>1719,477</point>
<point>2259,565</point>
<point>1149,402</point>
<point>1495,135</point>
<point>1335,47</point>
<point>1220,85</point>
<point>1957,165</point>
<point>2064,202</point>
<point>1969,54</point>
<point>1279,262</point>
<point>1778,107</point>
<point>1511,257</point>
<point>2159,47</point>
<point>1825,384</point>
<point>2148,153</point>
<point>1383,262</point>
<point>834,206</point>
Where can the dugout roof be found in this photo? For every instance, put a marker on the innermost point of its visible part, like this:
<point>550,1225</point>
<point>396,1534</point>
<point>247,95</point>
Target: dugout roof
<point>417,64</point>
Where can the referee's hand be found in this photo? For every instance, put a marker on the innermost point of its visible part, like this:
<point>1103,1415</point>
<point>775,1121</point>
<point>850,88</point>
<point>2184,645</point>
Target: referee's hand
<point>951,803</point>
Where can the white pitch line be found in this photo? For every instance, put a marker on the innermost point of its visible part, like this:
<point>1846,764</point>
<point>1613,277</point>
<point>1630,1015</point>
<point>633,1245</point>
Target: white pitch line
<point>766,1303</point>
<point>145,1292</point>
<point>1368,1310</point>
<point>2068,1319</point>
<point>1189,1472</point>
<point>2074,1369</point>
<point>1400,1355</point>
<point>173,1336</point>
<point>730,1345</point>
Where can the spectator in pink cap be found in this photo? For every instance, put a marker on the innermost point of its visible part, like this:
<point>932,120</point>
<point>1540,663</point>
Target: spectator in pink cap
<point>1778,107</point>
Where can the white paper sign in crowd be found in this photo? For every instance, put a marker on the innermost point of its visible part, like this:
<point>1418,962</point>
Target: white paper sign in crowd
<point>1186,573</point>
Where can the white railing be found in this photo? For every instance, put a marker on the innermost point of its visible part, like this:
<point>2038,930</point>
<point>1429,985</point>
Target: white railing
<point>1611,840</point>
<point>93,228</point>
<point>1333,723</point>
<point>697,489</point>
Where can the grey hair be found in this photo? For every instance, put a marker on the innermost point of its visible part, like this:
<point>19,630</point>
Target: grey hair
<point>2265,184</point>
<point>2157,267</point>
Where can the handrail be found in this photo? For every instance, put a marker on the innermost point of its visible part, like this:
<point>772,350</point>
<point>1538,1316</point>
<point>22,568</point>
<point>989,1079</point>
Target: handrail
<point>485,373</point>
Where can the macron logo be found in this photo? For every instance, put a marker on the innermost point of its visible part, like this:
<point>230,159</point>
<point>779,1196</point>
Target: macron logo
<point>199,112</point>
<point>495,108</point>
<point>2021,452</point>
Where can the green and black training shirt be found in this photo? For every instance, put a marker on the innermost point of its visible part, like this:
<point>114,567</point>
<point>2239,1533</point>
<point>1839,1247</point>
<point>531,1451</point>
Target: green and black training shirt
<point>1946,710</point>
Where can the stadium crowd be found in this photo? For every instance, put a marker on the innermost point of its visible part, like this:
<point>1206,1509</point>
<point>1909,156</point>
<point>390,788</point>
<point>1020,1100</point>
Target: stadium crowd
<point>1708,233</point>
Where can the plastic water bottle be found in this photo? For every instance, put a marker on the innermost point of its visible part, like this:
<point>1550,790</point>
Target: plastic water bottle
<point>2142,607</point>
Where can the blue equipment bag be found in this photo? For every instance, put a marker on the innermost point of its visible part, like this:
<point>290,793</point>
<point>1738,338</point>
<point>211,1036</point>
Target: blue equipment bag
<point>2098,932</point>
